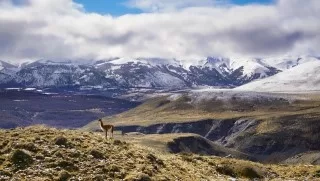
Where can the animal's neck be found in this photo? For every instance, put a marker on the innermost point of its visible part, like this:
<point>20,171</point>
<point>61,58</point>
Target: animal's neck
<point>101,124</point>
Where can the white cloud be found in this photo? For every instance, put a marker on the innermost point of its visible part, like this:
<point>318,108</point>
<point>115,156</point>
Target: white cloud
<point>62,29</point>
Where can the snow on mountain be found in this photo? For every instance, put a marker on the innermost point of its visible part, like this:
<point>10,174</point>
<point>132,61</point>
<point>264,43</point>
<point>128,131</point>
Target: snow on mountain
<point>5,65</point>
<point>67,62</point>
<point>7,71</point>
<point>223,65</point>
<point>303,77</point>
<point>147,72</point>
<point>148,61</point>
<point>287,62</point>
<point>247,69</point>
<point>250,66</point>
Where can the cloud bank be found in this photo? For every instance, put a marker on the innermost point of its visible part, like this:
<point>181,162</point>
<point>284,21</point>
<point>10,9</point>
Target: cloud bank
<point>34,29</point>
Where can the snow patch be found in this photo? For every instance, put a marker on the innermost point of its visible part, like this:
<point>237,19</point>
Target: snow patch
<point>304,77</point>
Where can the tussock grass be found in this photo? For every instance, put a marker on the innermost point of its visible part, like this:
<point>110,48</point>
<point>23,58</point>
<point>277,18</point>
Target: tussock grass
<point>91,157</point>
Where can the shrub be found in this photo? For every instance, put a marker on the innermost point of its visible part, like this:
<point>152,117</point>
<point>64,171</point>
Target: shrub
<point>226,170</point>
<point>113,168</point>
<point>96,154</point>
<point>64,176</point>
<point>317,174</point>
<point>61,141</point>
<point>117,142</point>
<point>239,171</point>
<point>21,159</point>
<point>250,173</point>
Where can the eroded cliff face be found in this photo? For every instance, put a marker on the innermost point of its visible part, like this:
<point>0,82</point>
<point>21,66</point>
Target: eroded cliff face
<point>240,134</point>
<point>224,132</point>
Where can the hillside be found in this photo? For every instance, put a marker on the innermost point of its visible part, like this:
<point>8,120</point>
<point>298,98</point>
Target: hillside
<point>41,153</point>
<point>304,77</point>
<point>269,127</point>
<point>184,143</point>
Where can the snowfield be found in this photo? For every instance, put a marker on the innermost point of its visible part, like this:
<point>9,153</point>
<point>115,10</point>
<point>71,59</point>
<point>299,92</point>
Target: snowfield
<point>304,77</point>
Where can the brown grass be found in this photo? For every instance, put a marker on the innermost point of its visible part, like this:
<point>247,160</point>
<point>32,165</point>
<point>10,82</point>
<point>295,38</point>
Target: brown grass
<point>162,110</point>
<point>88,156</point>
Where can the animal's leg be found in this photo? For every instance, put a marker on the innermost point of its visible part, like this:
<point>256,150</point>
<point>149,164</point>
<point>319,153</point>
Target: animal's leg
<point>106,132</point>
<point>112,131</point>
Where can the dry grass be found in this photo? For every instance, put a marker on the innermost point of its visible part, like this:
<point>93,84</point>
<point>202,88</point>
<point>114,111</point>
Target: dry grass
<point>162,110</point>
<point>75,155</point>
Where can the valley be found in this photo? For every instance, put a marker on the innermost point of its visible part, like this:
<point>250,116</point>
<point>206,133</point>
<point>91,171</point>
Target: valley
<point>19,108</point>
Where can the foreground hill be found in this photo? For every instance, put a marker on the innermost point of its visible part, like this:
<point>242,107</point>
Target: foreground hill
<point>41,153</point>
<point>269,127</point>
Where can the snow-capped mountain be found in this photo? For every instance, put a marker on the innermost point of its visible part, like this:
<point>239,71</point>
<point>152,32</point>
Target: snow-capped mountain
<point>7,71</point>
<point>4,66</point>
<point>303,77</point>
<point>211,71</point>
<point>287,62</point>
<point>146,72</point>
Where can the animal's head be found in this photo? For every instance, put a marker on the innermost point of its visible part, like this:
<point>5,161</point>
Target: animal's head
<point>100,120</point>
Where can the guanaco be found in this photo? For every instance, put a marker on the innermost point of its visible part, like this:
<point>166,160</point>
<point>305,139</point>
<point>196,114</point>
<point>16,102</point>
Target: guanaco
<point>106,127</point>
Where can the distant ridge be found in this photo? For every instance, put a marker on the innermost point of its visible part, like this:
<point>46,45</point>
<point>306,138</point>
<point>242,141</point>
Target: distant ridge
<point>146,72</point>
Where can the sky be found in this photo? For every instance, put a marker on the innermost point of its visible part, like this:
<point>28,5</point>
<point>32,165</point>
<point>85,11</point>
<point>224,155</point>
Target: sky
<point>119,7</point>
<point>182,29</point>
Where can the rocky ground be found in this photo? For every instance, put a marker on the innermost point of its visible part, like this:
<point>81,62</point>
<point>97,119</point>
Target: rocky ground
<point>41,153</point>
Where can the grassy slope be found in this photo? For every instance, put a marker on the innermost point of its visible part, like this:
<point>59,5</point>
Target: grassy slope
<point>51,154</point>
<point>183,143</point>
<point>163,110</point>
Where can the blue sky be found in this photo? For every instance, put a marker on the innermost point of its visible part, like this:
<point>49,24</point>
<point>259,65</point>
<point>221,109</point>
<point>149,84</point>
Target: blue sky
<point>114,7</point>
<point>118,7</point>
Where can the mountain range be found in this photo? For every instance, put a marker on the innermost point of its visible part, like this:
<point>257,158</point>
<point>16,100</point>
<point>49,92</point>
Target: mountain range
<point>147,72</point>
